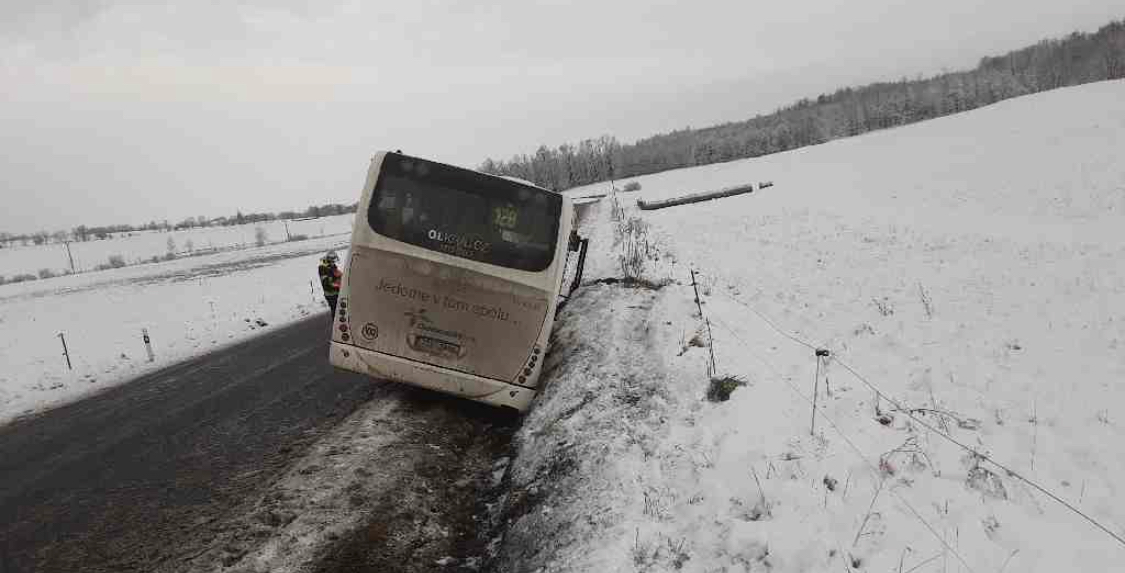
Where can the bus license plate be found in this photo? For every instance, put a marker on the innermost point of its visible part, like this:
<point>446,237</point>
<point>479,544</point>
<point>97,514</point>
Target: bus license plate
<point>437,346</point>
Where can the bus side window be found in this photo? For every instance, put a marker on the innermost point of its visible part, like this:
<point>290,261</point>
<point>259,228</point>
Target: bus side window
<point>390,213</point>
<point>407,209</point>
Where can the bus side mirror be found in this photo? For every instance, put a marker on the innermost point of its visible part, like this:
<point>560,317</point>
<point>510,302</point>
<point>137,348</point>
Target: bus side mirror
<point>575,240</point>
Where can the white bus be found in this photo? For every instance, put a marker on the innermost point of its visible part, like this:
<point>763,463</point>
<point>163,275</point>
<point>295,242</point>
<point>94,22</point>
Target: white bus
<point>453,279</point>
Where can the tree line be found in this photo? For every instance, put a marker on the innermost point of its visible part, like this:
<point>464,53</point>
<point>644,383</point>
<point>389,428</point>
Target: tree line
<point>83,233</point>
<point>1073,60</point>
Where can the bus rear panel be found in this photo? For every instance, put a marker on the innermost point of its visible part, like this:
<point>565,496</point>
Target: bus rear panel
<point>452,281</point>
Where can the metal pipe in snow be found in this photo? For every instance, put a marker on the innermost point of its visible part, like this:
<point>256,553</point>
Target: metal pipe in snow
<point>695,197</point>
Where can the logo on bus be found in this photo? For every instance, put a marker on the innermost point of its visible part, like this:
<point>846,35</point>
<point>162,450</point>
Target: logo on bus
<point>455,240</point>
<point>370,331</point>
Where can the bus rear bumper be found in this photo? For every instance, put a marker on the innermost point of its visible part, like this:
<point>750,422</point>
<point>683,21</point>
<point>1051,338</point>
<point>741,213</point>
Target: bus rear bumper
<point>387,367</point>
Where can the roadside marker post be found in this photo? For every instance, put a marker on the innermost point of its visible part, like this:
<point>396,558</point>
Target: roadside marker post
<point>821,356</point>
<point>148,344</point>
<point>65,352</point>
<point>69,256</point>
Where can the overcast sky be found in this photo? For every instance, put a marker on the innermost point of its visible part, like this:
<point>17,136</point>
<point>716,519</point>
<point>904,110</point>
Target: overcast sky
<point>120,111</point>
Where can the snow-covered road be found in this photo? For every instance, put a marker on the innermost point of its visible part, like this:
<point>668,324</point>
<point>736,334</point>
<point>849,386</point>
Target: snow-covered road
<point>258,457</point>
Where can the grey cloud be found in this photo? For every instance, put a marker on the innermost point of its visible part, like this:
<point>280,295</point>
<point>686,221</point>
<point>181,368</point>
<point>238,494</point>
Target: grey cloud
<point>130,110</point>
<point>32,17</point>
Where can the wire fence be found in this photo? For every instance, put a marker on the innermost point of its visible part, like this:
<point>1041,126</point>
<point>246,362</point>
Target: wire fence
<point>899,405</point>
<point>876,472</point>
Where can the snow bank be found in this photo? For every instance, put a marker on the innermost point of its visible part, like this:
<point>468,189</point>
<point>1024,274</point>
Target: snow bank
<point>968,267</point>
<point>189,306</point>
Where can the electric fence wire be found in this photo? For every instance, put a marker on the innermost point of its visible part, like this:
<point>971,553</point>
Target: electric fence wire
<point>855,449</point>
<point>899,406</point>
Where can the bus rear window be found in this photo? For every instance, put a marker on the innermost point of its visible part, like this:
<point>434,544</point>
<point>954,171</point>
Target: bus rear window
<point>465,213</point>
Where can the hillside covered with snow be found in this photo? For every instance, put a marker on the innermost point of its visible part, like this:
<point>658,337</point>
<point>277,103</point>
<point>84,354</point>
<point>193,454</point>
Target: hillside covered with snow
<point>966,276</point>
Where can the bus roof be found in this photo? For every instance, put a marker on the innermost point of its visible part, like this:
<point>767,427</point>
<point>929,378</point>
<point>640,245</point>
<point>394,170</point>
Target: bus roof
<point>508,177</point>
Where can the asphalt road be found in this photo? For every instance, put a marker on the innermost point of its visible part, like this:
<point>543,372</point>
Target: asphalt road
<point>129,479</point>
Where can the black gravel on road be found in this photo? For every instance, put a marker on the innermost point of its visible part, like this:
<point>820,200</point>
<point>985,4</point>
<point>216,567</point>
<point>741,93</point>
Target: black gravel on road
<point>132,478</point>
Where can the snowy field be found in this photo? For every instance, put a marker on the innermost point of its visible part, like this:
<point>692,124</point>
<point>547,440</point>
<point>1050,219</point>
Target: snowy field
<point>190,306</point>
<point>967,275</point>
<point>144,245</point>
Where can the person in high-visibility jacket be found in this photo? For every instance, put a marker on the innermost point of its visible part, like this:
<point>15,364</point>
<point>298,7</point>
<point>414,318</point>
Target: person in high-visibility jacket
<point>330,276</point>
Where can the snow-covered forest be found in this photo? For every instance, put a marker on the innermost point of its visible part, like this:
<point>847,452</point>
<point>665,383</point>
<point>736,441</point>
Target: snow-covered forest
<point>1077,59</point>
